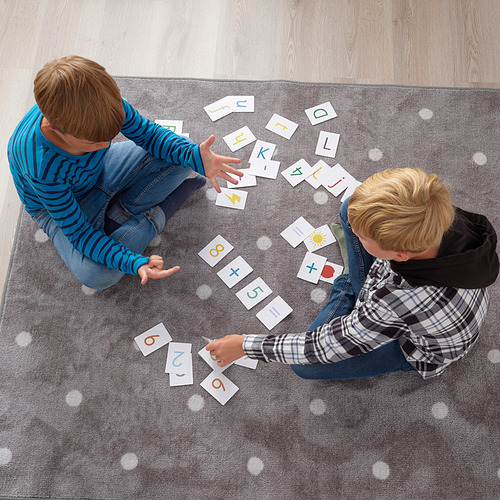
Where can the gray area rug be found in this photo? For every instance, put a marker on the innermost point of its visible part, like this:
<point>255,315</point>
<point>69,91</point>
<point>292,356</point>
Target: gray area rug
<point>83,414</point>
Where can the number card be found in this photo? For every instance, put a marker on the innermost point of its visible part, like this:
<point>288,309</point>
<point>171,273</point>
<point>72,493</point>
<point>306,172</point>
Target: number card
<point>153,339</point>
<point>248,180</point>
<point>239,139</point>
<point>173,125</point>
<point>243,103</point>
<point>178,357</point>
<point>262,151</point>
<point>311,267</point>
<point>246,362</point>
<point>297,172</point>
<point>211,361</point>
<point>254,293</point>
<point>234,272</point>
<point>321,113</point>
<point>319,238</point>
<point>231,198</point>
<point>282,126</point>
<point>220,387</point>
<point>327,144</point>
<point>185,374</point>
<point>337,180</point>
<point>215,251</point>
<point>265,168</point>
<point>320,169</point>
<point>297,231</point>
<point>275,312</point>
<point>330,272</point>
<point>220,108</point>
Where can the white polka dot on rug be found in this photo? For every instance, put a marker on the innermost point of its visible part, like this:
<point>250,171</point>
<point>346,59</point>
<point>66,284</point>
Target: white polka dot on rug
<point>74,398</point>
<point>317,407</point>
<point>318,295</point>
<point>425,114</point>
<point>479,158</point>
<point>196,402</point>
<point>321,197</point>
<point>255,466</point>
<point>40,236</point>
<point>129,461</point>
<point>88,291</point>
<point>439,410</point>
<point>375,154</point>
<point>23,339</point>
<point>381,470</point>
<point>494,356</point>
<point>204,292</point>
<point>5,456</point>
<point>264,243</point>
<point>498,473</point>
<point>211,194</point>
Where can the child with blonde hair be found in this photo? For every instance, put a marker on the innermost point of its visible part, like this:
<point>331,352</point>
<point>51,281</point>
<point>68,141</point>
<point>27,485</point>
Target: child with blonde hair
<point>415,293</point>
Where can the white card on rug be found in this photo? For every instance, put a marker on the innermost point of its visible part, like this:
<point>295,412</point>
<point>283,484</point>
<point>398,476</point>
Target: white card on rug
<point>337,180</point>
<point>281,126</point>
<point>220,108</point>
<point>330,272</point>
<point>321,113</point>
<point>327,144</point>
<point>211,361</point>
<point>173,125</point>
<point>248,180</point>
<point>275,312</point>
<point>215,251</point>
<point>239,138</point>
<point>264,168</point>
<point>297,231</point>
<point>262,151</point>
<point>319,238</point>
<point>311,267</point>
<point>243,103</point>
<point>185,374</point>
<point>220,387</point>
<point>235,271</point>
<point>254,293</point>
<point>350,190</point>
<point>153,339</point>
<point>178,357</point>
<point>297,172</point>
<point>247,362</point>
<point>231,198</point>
<point>320,169</point>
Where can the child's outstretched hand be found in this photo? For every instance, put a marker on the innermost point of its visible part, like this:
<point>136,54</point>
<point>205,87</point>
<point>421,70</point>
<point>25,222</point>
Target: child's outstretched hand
<point>215,166</point>
<point>227,349</point>
<point>154,270</point>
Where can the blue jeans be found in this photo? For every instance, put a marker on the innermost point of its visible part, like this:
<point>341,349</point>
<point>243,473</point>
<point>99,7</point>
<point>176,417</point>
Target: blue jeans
<point>345,290</point>
<point>128,191</point>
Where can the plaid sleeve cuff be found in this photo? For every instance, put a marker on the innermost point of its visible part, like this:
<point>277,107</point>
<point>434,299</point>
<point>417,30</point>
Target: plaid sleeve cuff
<point>252,346</point>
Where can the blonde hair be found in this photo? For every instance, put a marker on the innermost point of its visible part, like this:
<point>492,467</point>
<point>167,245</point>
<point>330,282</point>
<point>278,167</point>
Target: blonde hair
<point>78,97</point>
<point>402,209</point>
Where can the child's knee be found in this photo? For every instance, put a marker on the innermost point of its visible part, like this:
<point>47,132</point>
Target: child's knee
<point>98,277</point>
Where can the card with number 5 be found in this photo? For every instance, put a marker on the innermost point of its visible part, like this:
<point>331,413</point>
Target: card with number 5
<point>254,293</point>
<point>220,387</point>
<point>153,339</point>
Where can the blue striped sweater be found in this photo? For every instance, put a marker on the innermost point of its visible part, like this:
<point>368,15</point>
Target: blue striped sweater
<point>45,176</point>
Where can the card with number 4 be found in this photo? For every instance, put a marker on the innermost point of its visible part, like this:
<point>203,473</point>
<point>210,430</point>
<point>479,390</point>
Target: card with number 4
<point>220,387</point>
<point>153,339</point>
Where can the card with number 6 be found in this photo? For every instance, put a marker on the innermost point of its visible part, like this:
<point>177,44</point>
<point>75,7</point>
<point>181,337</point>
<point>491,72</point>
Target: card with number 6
<point>220,387</point>
<point>153,339</point>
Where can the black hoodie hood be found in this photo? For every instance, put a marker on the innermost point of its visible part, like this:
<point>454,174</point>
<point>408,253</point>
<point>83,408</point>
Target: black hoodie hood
<point>467,256</point>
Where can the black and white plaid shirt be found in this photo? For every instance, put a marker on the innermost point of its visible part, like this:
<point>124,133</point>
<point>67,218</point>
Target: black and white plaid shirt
<point>435,325</point>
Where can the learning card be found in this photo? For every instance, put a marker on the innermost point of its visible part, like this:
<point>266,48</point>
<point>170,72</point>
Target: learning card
<point>220,387</point>
<point>235,271</point>
<point>327,144</point>
<point>231,198</point>
<point>153,339</point>
<point>248,180</point>
<point>275,312</point>
<point>173,125</point>
<point>211,360</point>
<point>337,180</point>
<point>330,272</point>
<point>220,108</point>
<point>247,362</point>
<point>311,267</point>
<point>243,103</point>
<point>320,169</point>
<point>319,238</point>
<point>239,138</point>
<point>297,231</point>
<point>281,126</point>
<point>297,172</point>
<point>264,168</point>
<point>262,151</point>
<point>350,190</point>
<point>215,251</point>
<point>178,357</point>
<point>321,113</point>
<point>184,376</point>
<point>254,293</point>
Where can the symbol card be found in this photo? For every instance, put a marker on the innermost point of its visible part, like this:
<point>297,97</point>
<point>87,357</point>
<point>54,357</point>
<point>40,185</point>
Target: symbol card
<point>243,103</point>
<point>254,293</point>
<point>262,151</point>
<point>311,267</point>
<point>153,339</point>
<point>234,272</point>
<point>215,251</point>
<point>247,362</point>
<point>220,108</point>
<point>185,375</point>
<point>265,168</point>
<point>239,138</point>
<point>321,113</point>
<point>320,169</point>
<point>281,126</point>
<point>231,198</point>
<point>220,387</point>
<point>337,180</point>
<point>296,173</point>
<point>319,238</point>
<point>330,272</point>
<point>327,144</point>
<point>212,362</point>
<point>297,231</point>
<point>275,312</point>
<point>173,125</point>
<point>248,180</point>
<point>178,357</point>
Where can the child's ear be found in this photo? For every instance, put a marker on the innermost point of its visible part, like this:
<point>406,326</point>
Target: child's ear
<point>45,125</point>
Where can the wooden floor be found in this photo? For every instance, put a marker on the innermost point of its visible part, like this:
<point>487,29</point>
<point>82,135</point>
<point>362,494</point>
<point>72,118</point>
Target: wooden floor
<point>408,42</point>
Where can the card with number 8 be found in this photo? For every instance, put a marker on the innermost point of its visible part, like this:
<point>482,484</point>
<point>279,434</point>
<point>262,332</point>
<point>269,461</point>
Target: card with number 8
<point>254,293</point>
<point>215,251</point>
<point>153,339</point>
<point>220,387</point>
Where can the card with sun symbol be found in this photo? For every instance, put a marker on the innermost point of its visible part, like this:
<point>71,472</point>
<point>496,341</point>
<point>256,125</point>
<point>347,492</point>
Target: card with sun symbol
<point>319,238</point>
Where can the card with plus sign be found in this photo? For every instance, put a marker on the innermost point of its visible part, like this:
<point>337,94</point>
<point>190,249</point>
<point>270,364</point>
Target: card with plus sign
<point>311,267</point>
<point>234,272</point>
